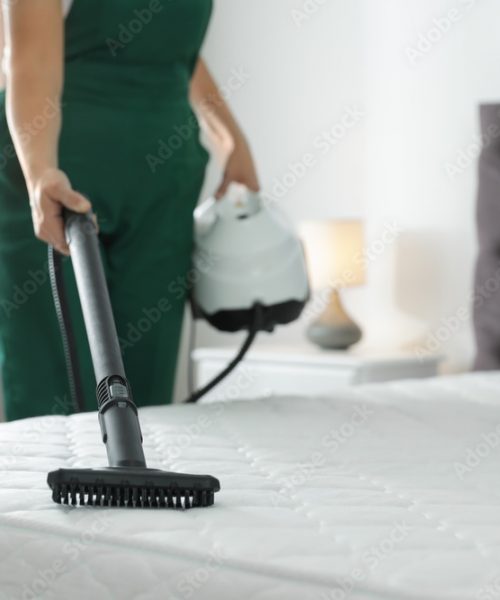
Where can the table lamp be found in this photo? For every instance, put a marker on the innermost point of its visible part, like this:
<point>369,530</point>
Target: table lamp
<point>334,252</point>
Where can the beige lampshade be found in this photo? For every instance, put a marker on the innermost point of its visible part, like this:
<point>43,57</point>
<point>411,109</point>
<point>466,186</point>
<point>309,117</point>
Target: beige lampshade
<point>334,252</point>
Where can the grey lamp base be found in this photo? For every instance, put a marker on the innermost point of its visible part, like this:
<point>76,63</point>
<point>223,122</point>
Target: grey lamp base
<point>334,329</point>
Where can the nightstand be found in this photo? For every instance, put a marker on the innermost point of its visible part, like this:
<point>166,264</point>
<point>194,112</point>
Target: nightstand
<point>304,370</point>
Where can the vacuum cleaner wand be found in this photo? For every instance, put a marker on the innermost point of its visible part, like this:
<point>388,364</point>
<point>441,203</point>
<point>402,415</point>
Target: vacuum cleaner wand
<point>126,481</point>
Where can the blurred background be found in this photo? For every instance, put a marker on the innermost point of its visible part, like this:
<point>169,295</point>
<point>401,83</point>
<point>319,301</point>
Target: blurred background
<point>362,109</point>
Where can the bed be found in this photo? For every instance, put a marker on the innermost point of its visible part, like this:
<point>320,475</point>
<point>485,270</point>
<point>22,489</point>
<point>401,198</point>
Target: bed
<point>385,491</point>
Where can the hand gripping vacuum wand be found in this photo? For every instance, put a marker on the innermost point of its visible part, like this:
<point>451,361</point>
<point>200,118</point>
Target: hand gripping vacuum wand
<point>126,481</point>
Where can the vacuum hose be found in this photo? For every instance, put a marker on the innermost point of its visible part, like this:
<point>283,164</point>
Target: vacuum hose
<point>249,340</point>
<point>55,260</point>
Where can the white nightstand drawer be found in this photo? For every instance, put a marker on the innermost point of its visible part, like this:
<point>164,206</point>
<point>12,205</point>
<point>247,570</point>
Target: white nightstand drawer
<point>254,379</point>
<point>303,371</point>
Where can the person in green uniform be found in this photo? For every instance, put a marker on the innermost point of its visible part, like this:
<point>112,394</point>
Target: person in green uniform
<point>98,113</point>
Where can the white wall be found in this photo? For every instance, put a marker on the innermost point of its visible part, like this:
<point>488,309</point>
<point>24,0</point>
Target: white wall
<point>428,65</point>
<point>419,114</point>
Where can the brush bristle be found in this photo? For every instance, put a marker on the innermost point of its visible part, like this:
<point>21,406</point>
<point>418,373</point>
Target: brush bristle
<point>85,495</point>
<point>137,488</point>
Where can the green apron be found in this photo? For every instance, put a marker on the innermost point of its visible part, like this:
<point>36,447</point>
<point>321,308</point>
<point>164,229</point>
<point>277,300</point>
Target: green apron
<point>130,143</point>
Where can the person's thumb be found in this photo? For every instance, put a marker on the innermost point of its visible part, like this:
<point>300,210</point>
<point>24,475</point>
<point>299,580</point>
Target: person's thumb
<point>74,201</point>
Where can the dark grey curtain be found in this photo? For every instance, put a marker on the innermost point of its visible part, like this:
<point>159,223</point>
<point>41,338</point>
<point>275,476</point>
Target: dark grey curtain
<point>486,311</point>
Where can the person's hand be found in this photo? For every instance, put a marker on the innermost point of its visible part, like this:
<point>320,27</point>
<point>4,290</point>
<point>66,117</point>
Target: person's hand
<point>240,168</point>
<point>50,194</point>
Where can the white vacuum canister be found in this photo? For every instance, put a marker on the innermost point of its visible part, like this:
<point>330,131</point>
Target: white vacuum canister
<point>246,255</point>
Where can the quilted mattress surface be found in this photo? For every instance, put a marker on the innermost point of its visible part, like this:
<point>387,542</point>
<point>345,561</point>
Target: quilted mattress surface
<point>387,491</point>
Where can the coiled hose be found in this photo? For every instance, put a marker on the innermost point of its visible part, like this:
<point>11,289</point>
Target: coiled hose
<point>55,260</point>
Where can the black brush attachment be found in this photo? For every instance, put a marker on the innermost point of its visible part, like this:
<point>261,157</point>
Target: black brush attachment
<point>126,481</point>
<point>133,488</point>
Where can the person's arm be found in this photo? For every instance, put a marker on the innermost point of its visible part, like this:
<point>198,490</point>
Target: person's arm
<point>34,80</point>
<point>224,131</point>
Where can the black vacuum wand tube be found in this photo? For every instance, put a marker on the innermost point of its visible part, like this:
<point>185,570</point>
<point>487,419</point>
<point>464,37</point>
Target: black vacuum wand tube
<point>117,412</point>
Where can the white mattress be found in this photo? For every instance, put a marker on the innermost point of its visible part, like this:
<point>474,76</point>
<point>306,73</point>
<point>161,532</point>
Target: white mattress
<point>357,496</point>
